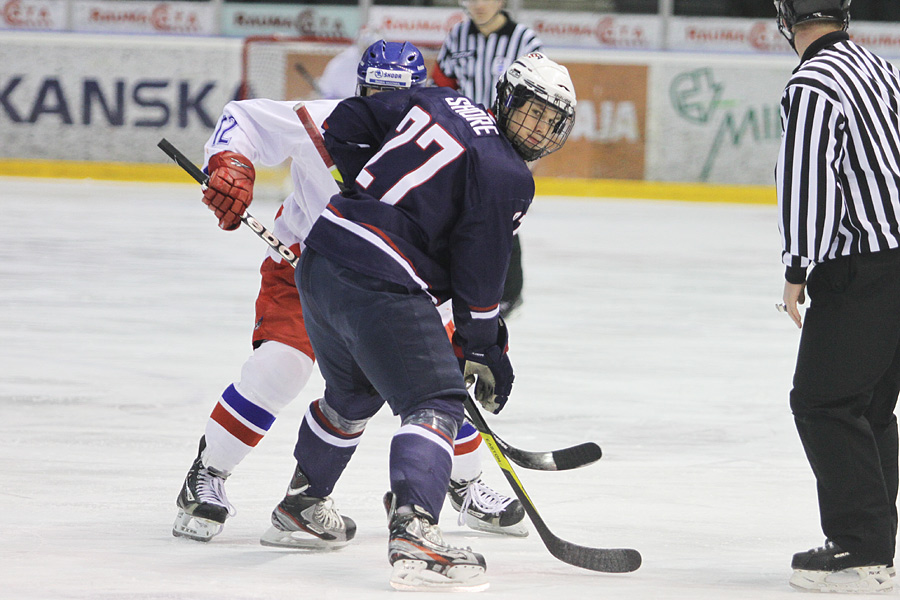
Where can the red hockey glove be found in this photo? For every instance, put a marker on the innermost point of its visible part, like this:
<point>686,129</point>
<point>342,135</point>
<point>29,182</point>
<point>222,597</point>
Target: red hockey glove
<point>230,188</point>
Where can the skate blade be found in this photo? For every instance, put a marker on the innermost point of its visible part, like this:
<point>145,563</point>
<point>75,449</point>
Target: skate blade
<point>298,540</point>
<point>414,576</point>
<point>859,580</point>
<point>519,529</point>
<point>195,528</point>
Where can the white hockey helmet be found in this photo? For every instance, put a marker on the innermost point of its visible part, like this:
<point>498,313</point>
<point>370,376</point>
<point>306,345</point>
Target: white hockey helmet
<point>535,105</point>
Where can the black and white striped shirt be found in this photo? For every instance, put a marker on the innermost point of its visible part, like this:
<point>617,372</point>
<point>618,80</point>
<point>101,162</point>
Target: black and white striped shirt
<point>838,172</point>
<point>476,62</point>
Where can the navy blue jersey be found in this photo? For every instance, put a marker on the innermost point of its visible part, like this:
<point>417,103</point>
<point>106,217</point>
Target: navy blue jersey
<point>437,193</point>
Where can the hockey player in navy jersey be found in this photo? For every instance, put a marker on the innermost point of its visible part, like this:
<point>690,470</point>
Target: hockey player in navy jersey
<point>268,132</point>
<point>439,187</point>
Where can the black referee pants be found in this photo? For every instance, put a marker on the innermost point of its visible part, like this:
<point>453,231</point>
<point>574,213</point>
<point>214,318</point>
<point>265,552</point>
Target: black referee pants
<point>845,389</point>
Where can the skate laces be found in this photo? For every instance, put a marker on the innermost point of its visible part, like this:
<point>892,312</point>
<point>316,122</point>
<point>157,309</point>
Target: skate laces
<point>484,498</point>
<point>432,533</point>
<point>829,545</point>
<point>211,489</point>
<point>327,515</point>
<point>414,525</point>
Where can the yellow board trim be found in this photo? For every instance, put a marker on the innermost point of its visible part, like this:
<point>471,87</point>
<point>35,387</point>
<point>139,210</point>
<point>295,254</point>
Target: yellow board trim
<point>656,190</point>
<point>546,186</point>
<point>111,171</point>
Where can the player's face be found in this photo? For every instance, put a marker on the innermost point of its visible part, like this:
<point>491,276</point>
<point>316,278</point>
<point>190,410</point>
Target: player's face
<point>482,11</point>
<point>536,122</point>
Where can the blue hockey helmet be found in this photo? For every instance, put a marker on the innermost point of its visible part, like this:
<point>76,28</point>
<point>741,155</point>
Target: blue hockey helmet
<point>390,66</point>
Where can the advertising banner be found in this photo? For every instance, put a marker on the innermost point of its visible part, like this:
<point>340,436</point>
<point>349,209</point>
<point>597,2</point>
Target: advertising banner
<point>880,38</point>
<point>340,22</point>
<point>35,15</point>
<point>593,30</point>
<point>422,26</point>
<point>66,97</point>
<point>122,16</point>
<point>608,139</point>
<point>762,36</point>
<point>429,27</point>
<point>726,35</point>
<point>715,121</point>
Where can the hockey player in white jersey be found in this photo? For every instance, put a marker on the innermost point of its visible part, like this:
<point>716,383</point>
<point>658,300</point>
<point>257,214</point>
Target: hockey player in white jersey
<point>268,132</point>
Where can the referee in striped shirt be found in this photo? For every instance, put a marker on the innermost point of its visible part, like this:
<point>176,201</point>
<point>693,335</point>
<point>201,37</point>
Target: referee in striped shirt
<point>474,55</point>
<point>838,181</point>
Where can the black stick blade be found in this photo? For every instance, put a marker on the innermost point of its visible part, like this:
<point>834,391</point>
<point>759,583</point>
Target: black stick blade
<point>577,456</point>
<point>564,459</point>
<point>605,560</point>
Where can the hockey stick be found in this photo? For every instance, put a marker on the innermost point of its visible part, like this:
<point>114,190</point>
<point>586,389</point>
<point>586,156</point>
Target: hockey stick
<point>312,130</point>
<point>554,460</point>
<point>305,74</point>
<point>203,179</point>
<point>564,459</point>
<point>607,560</point>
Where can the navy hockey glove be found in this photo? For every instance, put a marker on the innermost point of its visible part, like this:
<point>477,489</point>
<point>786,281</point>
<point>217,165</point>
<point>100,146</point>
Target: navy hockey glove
<point>230,188</point>
<point>489,369</point>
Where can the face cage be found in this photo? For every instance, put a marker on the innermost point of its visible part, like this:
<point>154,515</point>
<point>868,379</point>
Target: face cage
<point>513,122</point>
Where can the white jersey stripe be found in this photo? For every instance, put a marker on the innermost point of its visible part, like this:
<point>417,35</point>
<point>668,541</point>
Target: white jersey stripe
<point>838,172</point>
<point>379,243</point>
<point>476,61</point>
<point>427,434</point>
<point>328,437</point>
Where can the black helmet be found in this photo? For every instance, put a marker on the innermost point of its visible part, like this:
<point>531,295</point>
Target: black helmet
<point>792,12</point>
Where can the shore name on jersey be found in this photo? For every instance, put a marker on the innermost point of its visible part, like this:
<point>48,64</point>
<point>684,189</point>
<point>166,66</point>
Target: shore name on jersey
<point>480,122</point>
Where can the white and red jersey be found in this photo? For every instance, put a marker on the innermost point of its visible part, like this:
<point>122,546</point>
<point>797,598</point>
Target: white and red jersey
<point>268,132</point>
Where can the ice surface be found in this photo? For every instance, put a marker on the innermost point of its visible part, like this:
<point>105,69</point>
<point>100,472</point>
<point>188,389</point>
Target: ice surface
<point>648,327</point>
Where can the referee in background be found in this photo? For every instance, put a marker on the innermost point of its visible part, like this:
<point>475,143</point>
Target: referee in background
<point>838,180</point>
<point>472,58</point>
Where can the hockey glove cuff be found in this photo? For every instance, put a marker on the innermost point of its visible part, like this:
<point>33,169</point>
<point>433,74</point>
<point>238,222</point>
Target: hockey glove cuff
<point>230,187</point>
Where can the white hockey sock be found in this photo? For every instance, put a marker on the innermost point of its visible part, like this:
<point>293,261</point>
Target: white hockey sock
<point>466,454</point>
<point>270,379</point>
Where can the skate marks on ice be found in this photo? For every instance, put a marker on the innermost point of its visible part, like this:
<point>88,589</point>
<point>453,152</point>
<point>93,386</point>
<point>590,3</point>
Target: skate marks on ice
<point>647,326</point>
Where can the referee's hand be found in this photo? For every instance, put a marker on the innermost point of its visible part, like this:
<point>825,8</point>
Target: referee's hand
<point>794,294</point>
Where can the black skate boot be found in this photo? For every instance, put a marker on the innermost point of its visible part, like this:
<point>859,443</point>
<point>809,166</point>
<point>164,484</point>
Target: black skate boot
<point>484,509</point>
<point>202,503</point>
<point>421,559</point>
<point>307,522</point>
<point>831,569</point>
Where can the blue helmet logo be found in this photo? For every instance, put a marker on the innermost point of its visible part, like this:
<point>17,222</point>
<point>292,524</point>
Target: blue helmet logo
<point>391,65</point>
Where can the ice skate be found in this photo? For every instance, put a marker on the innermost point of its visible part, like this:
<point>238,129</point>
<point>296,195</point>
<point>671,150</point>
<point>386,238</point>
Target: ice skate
<point>421,559</point>
<point>202,503</point>
<point>484,509</point>
<point>831,569</point>
<point>307,522</point>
